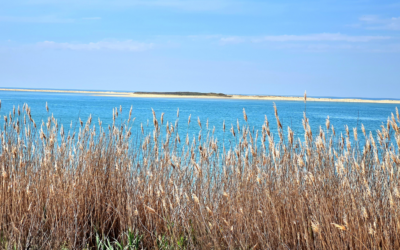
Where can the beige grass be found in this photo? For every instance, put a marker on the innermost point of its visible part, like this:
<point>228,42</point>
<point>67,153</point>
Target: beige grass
<point>61,189</point>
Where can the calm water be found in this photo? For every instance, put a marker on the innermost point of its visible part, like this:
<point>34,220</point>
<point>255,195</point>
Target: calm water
<point>70,107</point>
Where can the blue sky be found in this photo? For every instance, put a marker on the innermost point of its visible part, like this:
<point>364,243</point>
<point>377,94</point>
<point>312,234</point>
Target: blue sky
<point>329,48</point>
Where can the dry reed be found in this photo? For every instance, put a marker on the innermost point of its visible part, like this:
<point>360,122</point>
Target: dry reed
<point>63,188</point>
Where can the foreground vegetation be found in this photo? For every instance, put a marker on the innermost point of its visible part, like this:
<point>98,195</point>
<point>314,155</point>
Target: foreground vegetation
<point>105,188</point>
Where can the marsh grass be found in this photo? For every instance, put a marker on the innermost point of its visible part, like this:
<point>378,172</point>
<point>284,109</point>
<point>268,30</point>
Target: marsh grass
<point>95,186</point>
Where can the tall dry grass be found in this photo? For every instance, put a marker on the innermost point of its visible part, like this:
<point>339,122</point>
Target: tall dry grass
<point>62,189</point>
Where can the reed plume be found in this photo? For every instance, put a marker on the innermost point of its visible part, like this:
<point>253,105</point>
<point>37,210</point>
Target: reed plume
<point>77,188</point>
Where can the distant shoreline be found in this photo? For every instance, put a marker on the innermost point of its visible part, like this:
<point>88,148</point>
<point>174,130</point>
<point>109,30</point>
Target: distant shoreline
<point>198,95</point>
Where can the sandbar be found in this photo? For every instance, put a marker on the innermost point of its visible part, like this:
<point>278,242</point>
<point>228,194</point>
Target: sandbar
<point>206,96</point>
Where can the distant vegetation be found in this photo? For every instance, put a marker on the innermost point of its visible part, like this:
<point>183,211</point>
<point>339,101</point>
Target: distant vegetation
<point>185,94</point>
<point>158,188</point>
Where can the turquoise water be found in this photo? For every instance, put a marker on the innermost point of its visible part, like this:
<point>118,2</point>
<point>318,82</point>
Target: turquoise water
<point>70,107</point>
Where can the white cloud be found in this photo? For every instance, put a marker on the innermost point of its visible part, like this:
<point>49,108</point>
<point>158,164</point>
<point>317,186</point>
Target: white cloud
<point>369,18</point>
<point>42,19</point>
<point>321,47</point>
<point>322,37</point>
<point>321,42</point>
<point>91,18</point>
<point>232,39</point>
<point>38,19</point>
<point>376,23</point>
<point>189,5</point>
<point>127,45</point>
<point>203,37</point>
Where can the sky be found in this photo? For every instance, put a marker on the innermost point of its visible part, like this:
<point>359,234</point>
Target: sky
<point>341,48</point>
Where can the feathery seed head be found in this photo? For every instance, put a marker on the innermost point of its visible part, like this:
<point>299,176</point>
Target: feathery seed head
<point>151,210</point>
<point>196,200</point>
<point>340,227</point>
<point>315,227</point>
<point>209,211</point>
<point>327,123</point>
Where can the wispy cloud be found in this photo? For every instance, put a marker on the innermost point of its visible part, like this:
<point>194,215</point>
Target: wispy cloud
<point>322,47</point>
<point>232,39</point>
<point>42,19</point>
<point>373,22</point>
<point>190,5</point>
<point>37,19</point>
<point>314,42</point>
<point>310,42</point>
<point>91,18</point>
<point>322,37</point>
<point>127,45</point>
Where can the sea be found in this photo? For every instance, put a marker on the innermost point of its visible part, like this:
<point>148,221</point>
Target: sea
<point>69,108</point>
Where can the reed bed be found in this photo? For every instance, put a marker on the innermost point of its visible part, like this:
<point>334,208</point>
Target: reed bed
<point>107,187</point>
